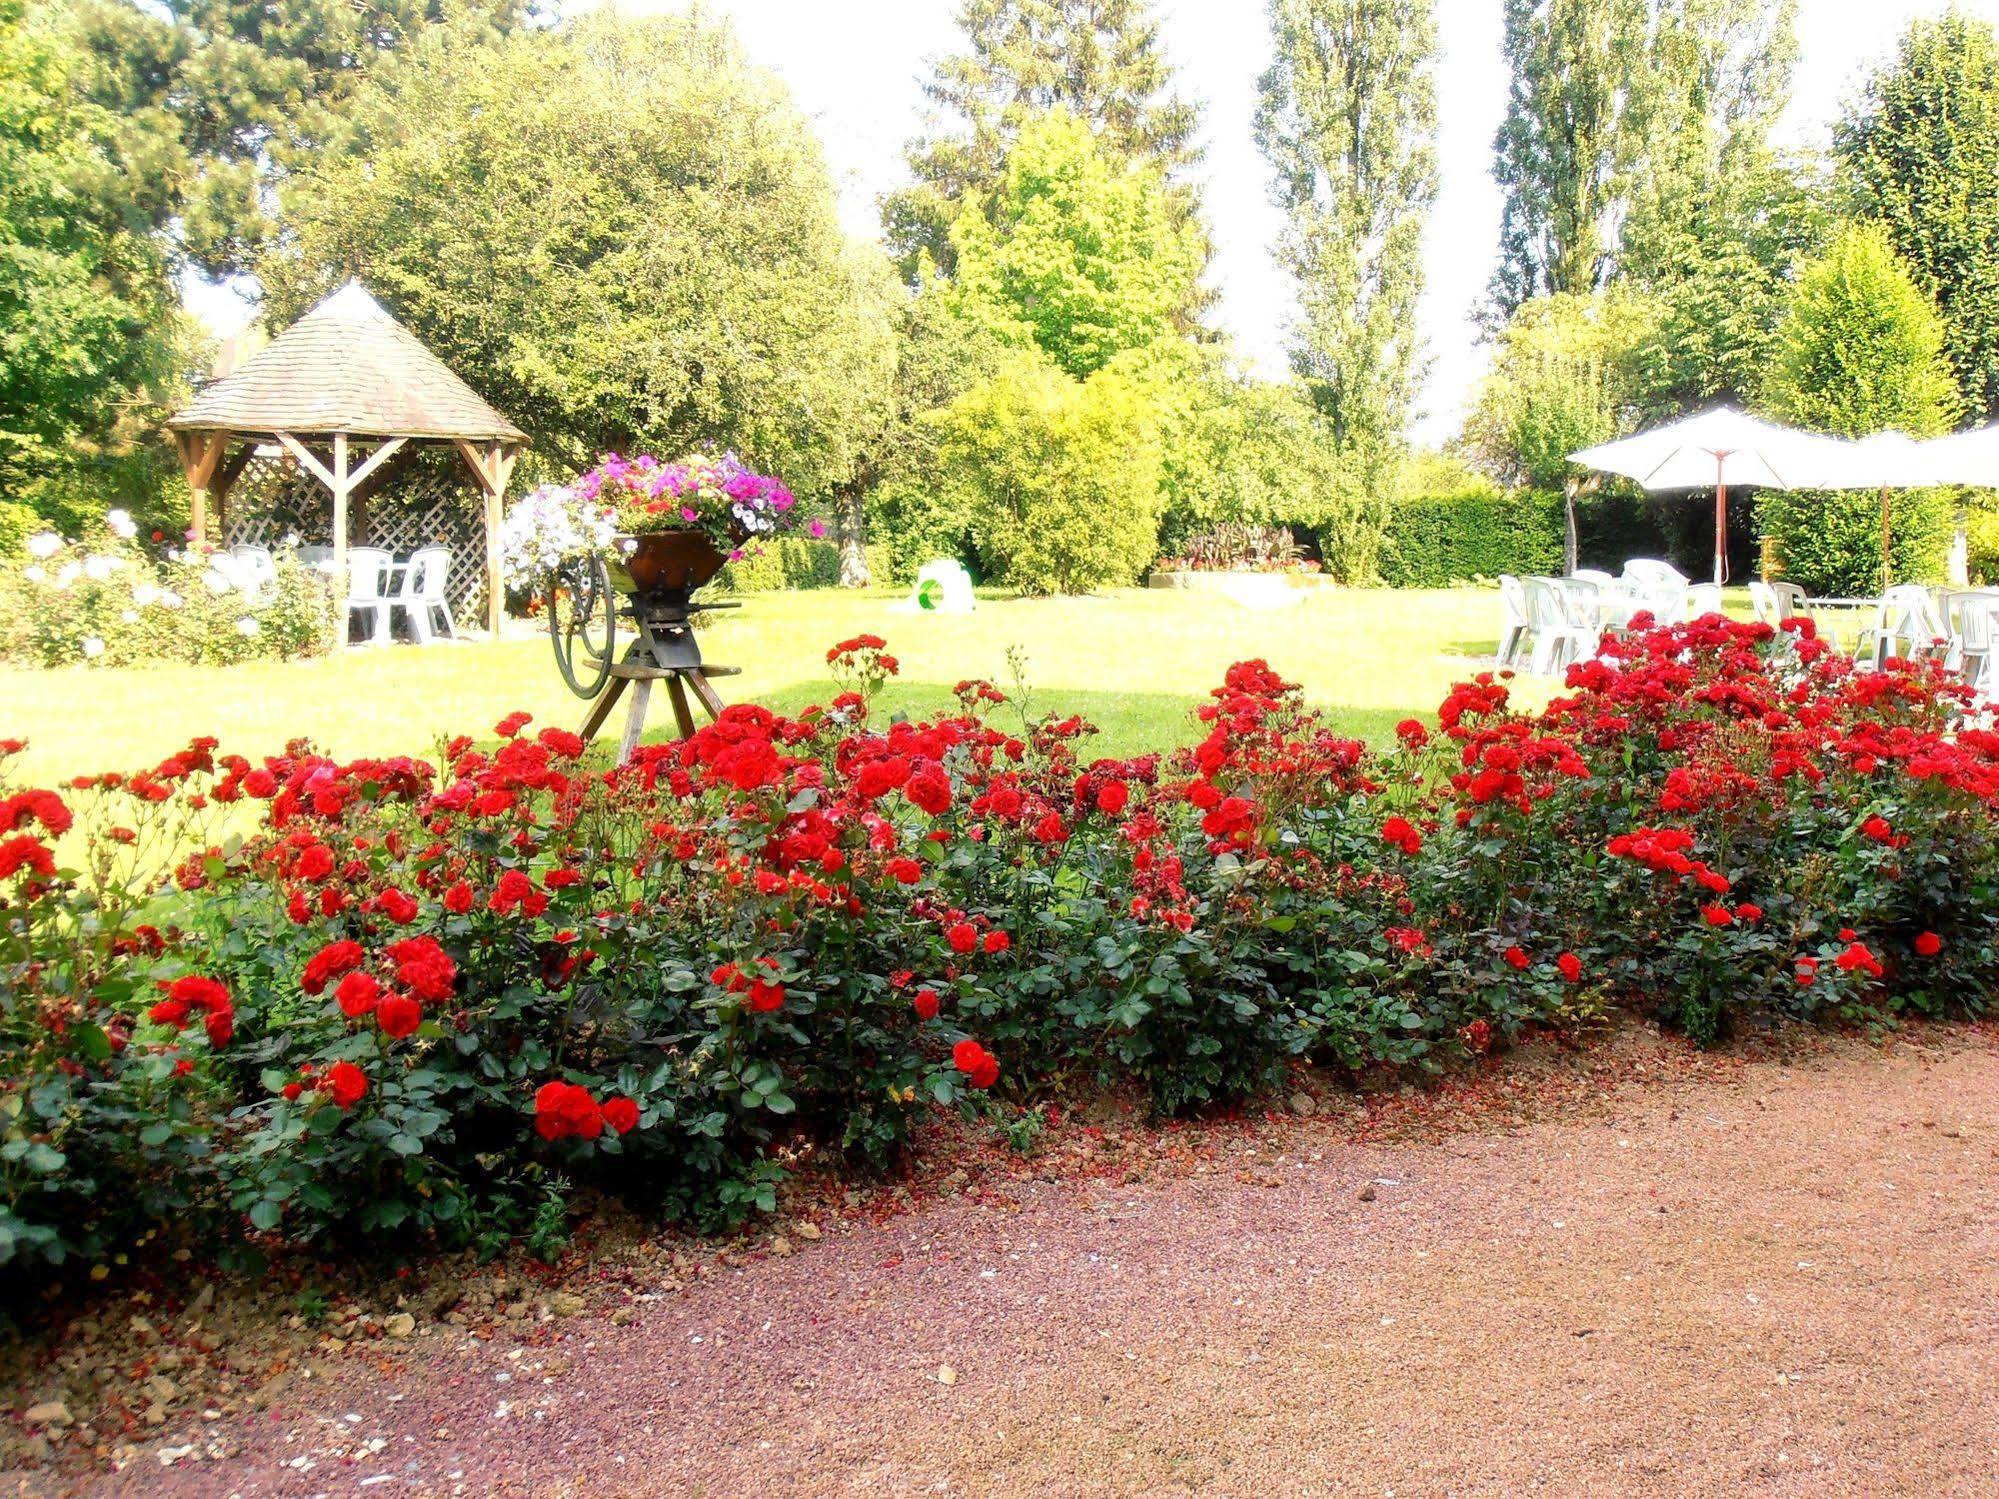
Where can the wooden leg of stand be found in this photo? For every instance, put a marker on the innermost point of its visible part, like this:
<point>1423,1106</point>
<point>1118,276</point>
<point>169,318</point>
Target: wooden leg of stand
<point>707,694</point>
<point>682,714</point>
<point>635,721</point>
<point>601,709</point>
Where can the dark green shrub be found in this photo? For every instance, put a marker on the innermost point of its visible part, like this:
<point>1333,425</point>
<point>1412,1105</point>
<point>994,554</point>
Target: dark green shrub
<point>1440,539</point>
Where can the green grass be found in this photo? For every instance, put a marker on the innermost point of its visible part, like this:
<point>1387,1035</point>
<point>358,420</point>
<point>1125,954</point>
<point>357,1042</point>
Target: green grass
<point>1134,661</point>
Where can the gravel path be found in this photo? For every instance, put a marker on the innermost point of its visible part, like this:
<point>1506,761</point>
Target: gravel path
<point>1781,1284</point>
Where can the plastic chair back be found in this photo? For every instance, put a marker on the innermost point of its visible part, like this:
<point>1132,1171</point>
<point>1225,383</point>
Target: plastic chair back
<point>367,571</point>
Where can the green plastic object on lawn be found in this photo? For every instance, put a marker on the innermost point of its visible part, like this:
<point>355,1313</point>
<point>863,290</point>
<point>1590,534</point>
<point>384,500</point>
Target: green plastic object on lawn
<point>942,587</point>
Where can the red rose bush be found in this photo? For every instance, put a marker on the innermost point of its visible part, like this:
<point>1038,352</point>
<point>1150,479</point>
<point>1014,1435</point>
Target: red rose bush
<point>302,998</point>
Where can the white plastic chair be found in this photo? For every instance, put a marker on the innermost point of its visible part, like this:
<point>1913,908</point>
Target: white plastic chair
<point>1906,624</point>
<point>1658,587</point>
<point>422,598</point>
<point>1565,621</point>
<point>1594,575</point>
<point>1970,616</point>
<point>1514,624</point>
<point>1703,598</point>
<point>1775,602</point>
<point>367,573</point>
<point>254,568</point>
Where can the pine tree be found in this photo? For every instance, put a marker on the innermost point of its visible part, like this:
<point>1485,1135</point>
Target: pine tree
<point>1099,59</point>
<point>239,92</point>
<point>1348,119</point>
<point>1921,156</point>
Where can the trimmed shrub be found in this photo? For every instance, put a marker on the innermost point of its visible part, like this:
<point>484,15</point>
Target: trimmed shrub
<point>1830,540</point>
<point>1472,534</point>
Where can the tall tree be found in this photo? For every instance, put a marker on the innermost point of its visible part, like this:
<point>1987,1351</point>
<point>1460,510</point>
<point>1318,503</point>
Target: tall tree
<point>247,91</point>
<point>85,304</point>
<point>1921,154</point>
<point>1625,119</point>
<point>620,232</point>
<point>1558,151</point>
<point>1099,59</point>
<point>1348,119</point>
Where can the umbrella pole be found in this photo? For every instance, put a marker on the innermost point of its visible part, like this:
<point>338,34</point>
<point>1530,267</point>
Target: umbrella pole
<point>1720,521</point>
<point>1887,564</point>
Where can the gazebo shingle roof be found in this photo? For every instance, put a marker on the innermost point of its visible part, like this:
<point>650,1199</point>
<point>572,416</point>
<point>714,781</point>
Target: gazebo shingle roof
<point>346,366</point>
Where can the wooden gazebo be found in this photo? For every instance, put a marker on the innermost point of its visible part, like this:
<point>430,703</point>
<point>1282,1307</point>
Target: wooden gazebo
<point>344,391</point>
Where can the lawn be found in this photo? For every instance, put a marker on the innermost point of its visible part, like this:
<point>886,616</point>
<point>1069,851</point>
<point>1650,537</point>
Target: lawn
<point>1134,661</point>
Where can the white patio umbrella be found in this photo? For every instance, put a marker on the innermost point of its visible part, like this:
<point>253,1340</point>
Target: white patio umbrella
<point>1724,447</point>
<point>1885,461</point>
<point>1970,457</point>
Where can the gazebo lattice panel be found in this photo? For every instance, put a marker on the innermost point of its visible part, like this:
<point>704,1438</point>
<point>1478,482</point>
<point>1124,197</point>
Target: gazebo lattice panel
<point>422,504</point>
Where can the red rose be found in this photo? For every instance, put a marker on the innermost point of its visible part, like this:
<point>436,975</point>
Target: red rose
<point>1478,1035</point>
<point>997,942</point>
<point>963,936</point>
<point>1571,966</point>
<point>357,994</point>
<point>1112,797</point>
<point>1516,957</point>
<point>346,1084</point>
<point>905,871</point>
<point>765,996</point>
<point>458,899</point>
<point>564,1109</point>
<point>397,906</point>
<point>399,1016</point>
<point>1715,915</point>
<point>930,789</point>
<point>1748,911</point>
<point>925,1003</point>
<point>981,1067</point>
<point>1929,944</point>
<point>621,1113</point>
<point>424,968</point>
<point>1808,972</point>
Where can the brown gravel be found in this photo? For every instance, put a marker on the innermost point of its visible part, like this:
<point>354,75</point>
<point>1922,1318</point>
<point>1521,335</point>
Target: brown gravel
<point>1777,1282</point>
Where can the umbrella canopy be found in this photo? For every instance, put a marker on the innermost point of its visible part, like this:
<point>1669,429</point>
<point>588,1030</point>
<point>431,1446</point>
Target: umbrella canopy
<point>1724,447</point>
<point>1966,458</point>
<point>1885,461</point>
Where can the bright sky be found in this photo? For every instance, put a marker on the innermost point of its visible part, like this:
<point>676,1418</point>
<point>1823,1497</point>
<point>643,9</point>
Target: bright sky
<point>856,69</point>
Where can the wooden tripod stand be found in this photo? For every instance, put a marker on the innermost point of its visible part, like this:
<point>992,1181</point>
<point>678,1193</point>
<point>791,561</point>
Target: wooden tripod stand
<point>665,651</point>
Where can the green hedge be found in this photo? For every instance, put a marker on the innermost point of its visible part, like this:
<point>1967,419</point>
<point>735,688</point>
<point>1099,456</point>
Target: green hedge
<point>796,562</point>
<point>1436,540</point>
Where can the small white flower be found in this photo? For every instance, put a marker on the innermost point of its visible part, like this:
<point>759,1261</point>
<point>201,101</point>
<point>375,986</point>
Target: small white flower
<point>291,538</point>
<point>71,571</point>
<point>145,594</point>
<point>44,544</point>
<point>34,573</point>
<point>246,627</point>
<point>217,582</point>
<point>98,568</point>
<point>122,525</point>
<point>130,616</point>
<point>92,647</point>
<point>170,599</point>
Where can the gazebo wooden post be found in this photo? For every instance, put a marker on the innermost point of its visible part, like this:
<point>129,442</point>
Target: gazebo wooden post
<point>200,453</point>
<point>493,466</point>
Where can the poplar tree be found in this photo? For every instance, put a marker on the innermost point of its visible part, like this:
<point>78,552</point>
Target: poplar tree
<point>1348,120</point>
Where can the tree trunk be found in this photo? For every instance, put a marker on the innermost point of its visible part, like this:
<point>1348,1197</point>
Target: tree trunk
<point>850,525</point>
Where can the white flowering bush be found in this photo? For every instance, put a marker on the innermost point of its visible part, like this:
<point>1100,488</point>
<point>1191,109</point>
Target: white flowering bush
<point>101,600</point>
<point>546,527</point>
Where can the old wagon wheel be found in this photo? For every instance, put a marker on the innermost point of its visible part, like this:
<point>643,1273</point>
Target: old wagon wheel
<point>582,624</point>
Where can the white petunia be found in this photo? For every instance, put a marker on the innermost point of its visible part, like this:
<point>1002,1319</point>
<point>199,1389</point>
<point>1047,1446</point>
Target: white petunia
<point>92,647</point>
<point>44,544</point>
<point>122,525</point>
